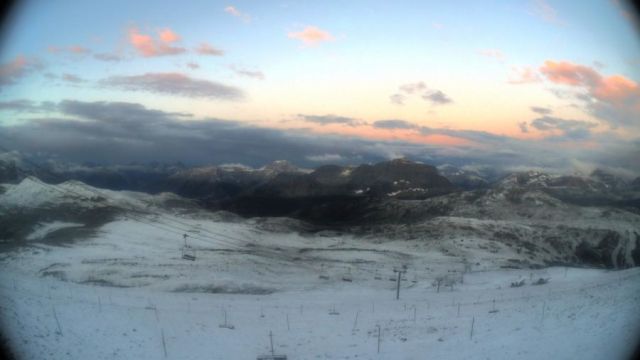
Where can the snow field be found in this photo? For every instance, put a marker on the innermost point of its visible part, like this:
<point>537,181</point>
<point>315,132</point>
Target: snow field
<point>589,314</point>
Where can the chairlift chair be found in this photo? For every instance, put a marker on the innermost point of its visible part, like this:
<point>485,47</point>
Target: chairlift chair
<point>347,277</point>
<point>323,275</point>
<point>188,253</point>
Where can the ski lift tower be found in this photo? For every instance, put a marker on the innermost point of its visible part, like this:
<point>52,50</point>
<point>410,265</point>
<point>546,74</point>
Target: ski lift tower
<point>400,272</point>
<point>271,356</point>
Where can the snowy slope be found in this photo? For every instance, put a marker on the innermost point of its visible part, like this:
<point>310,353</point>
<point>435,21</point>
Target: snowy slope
<point>116,295</point>
<point>34,193</point>
<point>586,315</point>
<point>117,292</point>
<point>44,229</point>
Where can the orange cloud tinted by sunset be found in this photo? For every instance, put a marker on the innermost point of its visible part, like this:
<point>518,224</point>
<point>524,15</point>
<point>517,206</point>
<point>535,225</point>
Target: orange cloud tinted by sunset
<point>311,35</point>
<point>617,88</point>
<point>147,46</point>
<point>614,88</point>
<point>168,36</point>
<point>567,73</point>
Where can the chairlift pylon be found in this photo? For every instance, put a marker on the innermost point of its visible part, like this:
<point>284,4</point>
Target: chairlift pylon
<point>272,355</point>
<point>188,253</point>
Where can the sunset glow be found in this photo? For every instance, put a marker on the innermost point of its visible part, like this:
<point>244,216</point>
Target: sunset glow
<point>517,75</point>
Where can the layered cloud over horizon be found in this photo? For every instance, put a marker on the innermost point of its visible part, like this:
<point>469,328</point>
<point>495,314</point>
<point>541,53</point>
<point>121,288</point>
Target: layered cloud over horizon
<point>122,132</point>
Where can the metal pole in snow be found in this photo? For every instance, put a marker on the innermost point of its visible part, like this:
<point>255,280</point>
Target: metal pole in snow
<point>271,341</point>
<point>164,344</point>
<point>398,287</point>
<point>473,320</point>
<point>355,322</point>
<point>55,316</point>
<point>378,339</point>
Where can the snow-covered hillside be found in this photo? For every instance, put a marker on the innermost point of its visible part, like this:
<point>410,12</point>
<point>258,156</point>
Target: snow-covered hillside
<point>34,193</point>
<point>124,291</point>
<point>586,314</point>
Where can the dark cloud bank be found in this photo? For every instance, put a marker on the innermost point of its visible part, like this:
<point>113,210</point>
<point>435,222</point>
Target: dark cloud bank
<point>121,132</point>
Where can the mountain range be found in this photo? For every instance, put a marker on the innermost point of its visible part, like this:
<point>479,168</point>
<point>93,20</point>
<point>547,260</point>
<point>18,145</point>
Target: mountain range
<point>537,218</point>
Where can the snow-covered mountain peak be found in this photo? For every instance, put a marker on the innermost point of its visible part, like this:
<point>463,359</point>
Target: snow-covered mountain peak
<point>279,167</point>
<point>32,192</point>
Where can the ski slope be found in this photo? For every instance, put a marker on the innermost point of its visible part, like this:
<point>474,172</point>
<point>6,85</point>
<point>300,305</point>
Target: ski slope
<point>123,291</point>
<point>55,303</point>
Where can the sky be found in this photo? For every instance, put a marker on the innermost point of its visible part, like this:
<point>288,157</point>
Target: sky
<point>538,84</point>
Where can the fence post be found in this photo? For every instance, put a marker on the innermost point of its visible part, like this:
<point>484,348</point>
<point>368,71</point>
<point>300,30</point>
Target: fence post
<point>55,316</point>
<point>473,320</point>
<point>164,344</point>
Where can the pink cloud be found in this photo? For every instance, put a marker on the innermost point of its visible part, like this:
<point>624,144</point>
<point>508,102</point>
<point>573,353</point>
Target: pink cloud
<point>564,72</point>
<point>77,49</point>
<point>17,68</point>
<point>206,49</point>
<point>523,75</point>
<point>147,46</point>
<point>311,35</point>
<point>168,36</point>
<point>613,98</point>
<point>615,88</point>
<point>143,43</point>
